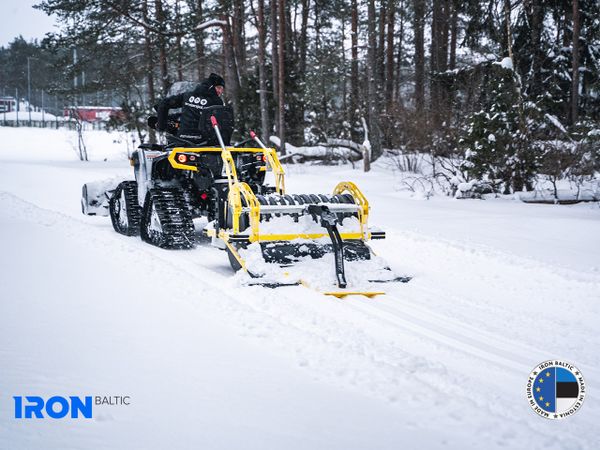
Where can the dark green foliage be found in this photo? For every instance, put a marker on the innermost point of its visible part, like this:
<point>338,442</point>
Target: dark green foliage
<point>527,110</point>
<point>590,58</point>
<point>497,139</point>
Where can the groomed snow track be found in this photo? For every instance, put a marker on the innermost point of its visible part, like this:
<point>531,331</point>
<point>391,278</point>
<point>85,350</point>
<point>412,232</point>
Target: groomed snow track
<point>449,351</point>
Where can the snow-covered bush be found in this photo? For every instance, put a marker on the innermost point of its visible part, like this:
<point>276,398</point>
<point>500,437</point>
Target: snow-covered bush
<point>495,141</point>
<point>406,161</point>
<point>472,189</point>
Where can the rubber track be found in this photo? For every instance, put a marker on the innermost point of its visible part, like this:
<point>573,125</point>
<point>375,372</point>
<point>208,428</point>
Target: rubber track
<point>175,218</point>
<point>134,212</point>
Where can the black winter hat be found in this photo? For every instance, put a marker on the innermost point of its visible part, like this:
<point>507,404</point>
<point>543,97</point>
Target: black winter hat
<point>216,80</point>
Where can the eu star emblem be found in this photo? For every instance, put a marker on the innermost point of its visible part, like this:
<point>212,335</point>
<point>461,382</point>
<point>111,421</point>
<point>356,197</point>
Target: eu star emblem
<point>545,389</point>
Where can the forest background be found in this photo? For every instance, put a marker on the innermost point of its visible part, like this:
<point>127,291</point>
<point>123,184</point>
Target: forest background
<point>494,90</point>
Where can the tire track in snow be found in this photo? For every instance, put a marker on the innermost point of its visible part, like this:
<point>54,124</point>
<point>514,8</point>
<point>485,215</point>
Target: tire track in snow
<point>505,295</point>
<point>179,263</point>
<point>373,350</point>
<point>449,332</point>
<point>419,321</point>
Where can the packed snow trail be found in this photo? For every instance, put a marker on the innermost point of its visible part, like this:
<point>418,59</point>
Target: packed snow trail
<point>109,320</point>
<point>439,362</point>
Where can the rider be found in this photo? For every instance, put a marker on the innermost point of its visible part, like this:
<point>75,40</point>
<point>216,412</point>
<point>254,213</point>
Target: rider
<point>207,93</point>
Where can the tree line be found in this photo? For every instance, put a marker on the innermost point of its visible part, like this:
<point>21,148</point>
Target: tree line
<point>498,86</point>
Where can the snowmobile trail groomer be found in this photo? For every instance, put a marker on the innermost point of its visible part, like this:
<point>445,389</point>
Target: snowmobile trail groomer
<point>273,238</point>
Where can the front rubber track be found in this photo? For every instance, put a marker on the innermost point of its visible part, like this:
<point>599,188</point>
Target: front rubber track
<point>125,213</point>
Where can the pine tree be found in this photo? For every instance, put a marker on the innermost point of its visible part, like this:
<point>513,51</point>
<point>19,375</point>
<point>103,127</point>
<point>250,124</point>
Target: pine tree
<point>495,144</point>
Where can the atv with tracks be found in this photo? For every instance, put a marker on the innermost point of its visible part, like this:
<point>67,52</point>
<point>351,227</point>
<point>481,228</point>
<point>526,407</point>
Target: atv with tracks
<point>275,238</point>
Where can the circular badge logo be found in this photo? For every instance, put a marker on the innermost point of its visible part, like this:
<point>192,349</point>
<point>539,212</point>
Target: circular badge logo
<point>203,101</point>
<point>197,100</point>
<point>191,99</point>
<point>555,389</point>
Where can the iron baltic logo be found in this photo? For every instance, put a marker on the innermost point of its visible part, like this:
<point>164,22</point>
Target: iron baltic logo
<point>59,407</point>
<point>555,389</point>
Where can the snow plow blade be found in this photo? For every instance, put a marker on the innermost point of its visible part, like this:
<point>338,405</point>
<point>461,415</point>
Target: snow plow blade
<point>95,197</point>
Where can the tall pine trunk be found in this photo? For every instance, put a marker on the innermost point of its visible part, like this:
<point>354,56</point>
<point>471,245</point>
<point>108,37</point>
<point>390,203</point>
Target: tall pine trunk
<point>281,77</point>
<point>453,34</point>
<point>575,77</point>
<point>419,26</point>
<point>304,37</point>
<point>354,93</point>
<point>231,70</point>
<point>373,110</point>
<point>302,49</point>
<point>509,44</point>
<point>439,60</point>
<point>380,72</point>
<point>178,46</point>
<point>262,72</point>
<point>537,25</point>
<point>149,65</point>
<point>162,46</point>
<point>275,60</point>
<point>389,65</point>
<point>199,40</point>
<point>238,35</point>
<point>399,57</point>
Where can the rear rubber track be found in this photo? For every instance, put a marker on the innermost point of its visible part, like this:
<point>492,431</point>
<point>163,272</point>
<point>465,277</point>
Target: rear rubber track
<point>167,219</point>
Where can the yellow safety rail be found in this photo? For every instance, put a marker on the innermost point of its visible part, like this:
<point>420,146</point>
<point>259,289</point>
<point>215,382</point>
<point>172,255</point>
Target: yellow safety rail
<point>270,157</point>
<point>292,236</point>
<point>239,190</point>
<point>360,199</point>
<point>236,192</point>
<point>253,237</point>
<point>275,165</point>
<point>242,190</point>
<point>229,165</point>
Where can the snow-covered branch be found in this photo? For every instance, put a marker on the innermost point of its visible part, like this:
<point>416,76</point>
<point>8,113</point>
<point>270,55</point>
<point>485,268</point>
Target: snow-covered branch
<point>358,148</point>
<point>326,152</point>
<point>210,23</point>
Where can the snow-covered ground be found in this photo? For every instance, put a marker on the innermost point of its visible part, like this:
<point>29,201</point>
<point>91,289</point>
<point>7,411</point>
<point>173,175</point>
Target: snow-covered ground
<point>441,362</point>
<point>23,116</point>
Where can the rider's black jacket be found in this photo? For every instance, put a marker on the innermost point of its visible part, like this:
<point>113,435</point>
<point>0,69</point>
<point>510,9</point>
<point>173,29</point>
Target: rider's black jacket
<point>192,104</point>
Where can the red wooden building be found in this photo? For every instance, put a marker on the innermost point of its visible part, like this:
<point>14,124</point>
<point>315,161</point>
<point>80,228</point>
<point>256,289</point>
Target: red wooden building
<point>93,113</point>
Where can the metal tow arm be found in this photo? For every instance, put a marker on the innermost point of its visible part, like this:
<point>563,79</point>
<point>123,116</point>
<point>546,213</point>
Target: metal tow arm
<point>329,221</point>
